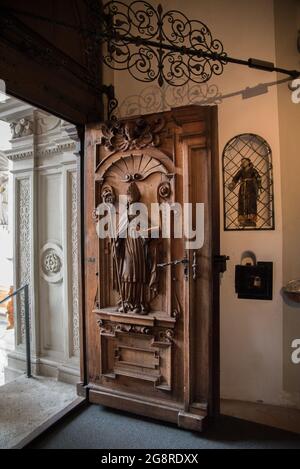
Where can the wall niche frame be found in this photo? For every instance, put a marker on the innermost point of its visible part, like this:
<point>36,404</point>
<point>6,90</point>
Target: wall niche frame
<point>242,210</point>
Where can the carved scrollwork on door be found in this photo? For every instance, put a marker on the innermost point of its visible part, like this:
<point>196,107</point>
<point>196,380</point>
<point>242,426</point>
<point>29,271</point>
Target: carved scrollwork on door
<point>111,328</point>
<point>131,134</point>
<point>164,190</point>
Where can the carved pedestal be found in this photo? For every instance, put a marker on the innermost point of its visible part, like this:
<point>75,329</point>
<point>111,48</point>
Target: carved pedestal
<point>137,347</point>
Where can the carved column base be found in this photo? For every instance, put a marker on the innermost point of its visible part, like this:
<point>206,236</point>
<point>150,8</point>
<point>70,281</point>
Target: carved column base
<point>16,367</point>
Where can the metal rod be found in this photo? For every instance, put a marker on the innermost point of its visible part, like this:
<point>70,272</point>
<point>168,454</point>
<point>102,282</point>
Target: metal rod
<point>12,295</point>
<point>112,35</point>
<point>27,331</point>
<point>251,63</point>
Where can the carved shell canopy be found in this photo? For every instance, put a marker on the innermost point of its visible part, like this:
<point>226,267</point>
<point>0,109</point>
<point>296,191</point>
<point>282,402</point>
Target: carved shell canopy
<point>135,168</point>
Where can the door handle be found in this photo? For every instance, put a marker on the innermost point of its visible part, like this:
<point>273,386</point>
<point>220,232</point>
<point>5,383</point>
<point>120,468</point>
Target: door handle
<point>185,261</point>
<point>175,262</point>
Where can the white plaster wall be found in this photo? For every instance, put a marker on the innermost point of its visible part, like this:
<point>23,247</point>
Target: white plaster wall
<point>251,331</point>
<point>287,25</point>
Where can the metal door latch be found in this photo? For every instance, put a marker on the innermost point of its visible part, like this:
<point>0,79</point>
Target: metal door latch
<point>194,265</point>
<point>185,261</point>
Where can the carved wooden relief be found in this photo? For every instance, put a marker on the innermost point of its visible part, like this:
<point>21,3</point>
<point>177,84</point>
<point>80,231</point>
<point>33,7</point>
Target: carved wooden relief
<point>149,317</point>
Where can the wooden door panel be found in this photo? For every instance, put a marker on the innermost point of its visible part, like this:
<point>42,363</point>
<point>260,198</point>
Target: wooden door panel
<point>150,323</point>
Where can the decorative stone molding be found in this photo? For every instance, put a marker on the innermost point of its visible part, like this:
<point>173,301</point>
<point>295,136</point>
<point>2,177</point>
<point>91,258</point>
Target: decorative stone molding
<point>21,128</point>
<point>20,156</point>
<point>61,148</point>
<point>3,162</point>
<point>74,260</point>
<point>52,262</point>
<point>41,153</point>
<point>24,247</point>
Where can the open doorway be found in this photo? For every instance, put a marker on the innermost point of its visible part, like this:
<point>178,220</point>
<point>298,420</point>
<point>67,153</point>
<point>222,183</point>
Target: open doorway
<point>39,248</point>
<point>7,341</point>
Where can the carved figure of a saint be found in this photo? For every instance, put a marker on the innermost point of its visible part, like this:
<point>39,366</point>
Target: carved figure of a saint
<point>249,180</point>
<point>135,260</point>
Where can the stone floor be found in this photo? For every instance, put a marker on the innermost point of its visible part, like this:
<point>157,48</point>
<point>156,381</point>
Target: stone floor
<point>28,404</point>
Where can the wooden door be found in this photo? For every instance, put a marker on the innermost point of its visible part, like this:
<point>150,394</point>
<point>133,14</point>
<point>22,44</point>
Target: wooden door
<point>152,306</point>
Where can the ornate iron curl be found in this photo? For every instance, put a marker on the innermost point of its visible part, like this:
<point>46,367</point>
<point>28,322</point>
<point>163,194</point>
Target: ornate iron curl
<point>112,102</point>
<point>153,45</point>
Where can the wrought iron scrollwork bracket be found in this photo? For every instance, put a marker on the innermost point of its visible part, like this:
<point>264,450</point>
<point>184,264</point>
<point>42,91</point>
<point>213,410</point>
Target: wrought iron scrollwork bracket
<point>153,45</point>
<point>167,47</point>
<point>112,102</point>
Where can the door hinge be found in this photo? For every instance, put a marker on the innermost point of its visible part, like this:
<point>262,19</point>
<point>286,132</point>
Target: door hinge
<point>220,263</point>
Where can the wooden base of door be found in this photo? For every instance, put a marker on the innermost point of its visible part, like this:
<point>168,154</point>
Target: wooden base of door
<point>156,410</point>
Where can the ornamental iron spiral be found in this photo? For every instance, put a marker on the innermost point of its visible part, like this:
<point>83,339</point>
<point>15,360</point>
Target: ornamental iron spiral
<point>153,45</point>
